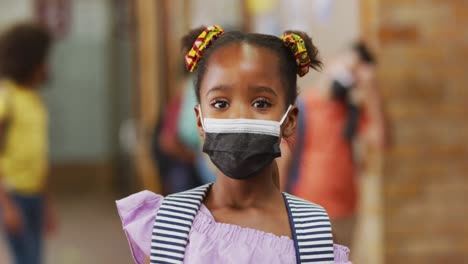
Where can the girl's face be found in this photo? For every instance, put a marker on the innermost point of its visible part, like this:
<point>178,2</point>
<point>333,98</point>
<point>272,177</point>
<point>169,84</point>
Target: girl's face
<point>243,81</point>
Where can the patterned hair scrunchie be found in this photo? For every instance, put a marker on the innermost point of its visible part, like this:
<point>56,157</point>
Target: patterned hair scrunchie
<point>297,46</point>
<point>202,42</point>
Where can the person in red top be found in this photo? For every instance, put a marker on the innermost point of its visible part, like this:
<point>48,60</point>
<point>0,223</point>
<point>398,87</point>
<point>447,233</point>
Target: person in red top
<point>343,107</point>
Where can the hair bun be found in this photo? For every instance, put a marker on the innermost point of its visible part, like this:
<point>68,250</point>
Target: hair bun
<point>203,41</point>
<point>305,53</point>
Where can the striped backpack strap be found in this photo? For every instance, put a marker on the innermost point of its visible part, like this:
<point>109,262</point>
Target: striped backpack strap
<point>311,229</point>
<point>173,223</point>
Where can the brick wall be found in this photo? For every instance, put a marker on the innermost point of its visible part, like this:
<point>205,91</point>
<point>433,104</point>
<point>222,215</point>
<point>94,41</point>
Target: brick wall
<point>423,52</point>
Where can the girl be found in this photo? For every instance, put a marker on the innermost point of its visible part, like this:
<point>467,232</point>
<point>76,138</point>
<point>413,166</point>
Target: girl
<point>246,86</point>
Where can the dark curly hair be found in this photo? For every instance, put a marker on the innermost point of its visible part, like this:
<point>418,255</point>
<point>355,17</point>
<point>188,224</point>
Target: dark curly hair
<point>287,62</point>
<point>23,48</point>
<point>364,53</point>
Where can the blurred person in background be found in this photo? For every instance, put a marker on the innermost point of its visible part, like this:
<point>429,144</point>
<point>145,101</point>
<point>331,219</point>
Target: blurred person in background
<point>26,210</point>
<point>188,132</point>
<point>177,167</point>
<point>342,109</point>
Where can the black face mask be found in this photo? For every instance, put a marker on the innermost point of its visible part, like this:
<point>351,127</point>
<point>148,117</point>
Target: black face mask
<point>240,148</point>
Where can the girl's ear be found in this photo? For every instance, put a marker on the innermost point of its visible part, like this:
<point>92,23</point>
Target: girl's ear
<point>201,132</point>
<point>289,126</point>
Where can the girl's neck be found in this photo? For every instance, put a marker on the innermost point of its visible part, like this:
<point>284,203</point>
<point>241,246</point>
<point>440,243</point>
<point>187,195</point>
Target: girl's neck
<point>257,191</point>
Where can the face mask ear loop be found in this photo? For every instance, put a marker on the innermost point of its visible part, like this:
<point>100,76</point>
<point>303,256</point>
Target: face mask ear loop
<point>285,115</point>
<point>201,118</point>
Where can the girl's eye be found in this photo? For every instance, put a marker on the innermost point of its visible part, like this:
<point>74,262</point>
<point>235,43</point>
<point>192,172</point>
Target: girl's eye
<point>220,104</point>
<point>262,104</point>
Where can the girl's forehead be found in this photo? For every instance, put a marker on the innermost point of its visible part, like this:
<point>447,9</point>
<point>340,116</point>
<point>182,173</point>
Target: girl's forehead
<point>242,66</point>
<point>244,57</point>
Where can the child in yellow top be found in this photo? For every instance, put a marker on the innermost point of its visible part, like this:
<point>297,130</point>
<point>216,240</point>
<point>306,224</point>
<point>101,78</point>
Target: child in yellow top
<point>24,50</point>
<point>24,155</point>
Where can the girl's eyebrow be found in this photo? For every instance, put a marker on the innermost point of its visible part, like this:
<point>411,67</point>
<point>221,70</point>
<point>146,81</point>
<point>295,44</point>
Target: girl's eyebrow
<point>259,88</point>
<point>216,88</point>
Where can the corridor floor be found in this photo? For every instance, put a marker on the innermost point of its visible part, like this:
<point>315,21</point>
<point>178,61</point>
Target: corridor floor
<point>89,232</point>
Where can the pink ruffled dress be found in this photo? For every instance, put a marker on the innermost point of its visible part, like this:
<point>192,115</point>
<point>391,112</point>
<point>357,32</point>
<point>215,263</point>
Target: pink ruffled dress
<point>209,241</point>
